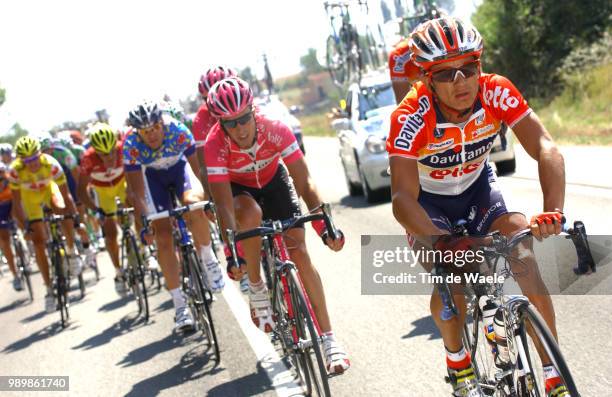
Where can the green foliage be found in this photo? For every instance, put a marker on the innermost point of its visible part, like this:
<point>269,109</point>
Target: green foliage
<point>2,96</point>
<point>15,133</point>
<point>528,40</point>
<point>309,62</point>
<point>580,114</point>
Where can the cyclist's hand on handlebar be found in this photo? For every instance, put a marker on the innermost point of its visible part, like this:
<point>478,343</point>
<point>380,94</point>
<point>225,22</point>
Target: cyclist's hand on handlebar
<point>546,224</point>
<point>101,215</point>
<point>334,244</point>
<point>235,270</point>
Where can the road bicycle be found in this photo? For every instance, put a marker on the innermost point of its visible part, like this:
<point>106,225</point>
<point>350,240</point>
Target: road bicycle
<point>198,294</point>
<point>499,330</point>
<point>348,53</point>
<point>296,326</point>
<point>21,265</point>
<point>131,261</point>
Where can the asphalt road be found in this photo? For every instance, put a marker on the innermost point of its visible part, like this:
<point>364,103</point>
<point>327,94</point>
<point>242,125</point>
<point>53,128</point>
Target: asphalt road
<point>394,346</point>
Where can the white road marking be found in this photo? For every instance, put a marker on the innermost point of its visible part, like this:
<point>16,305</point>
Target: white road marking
<point>281,377</point>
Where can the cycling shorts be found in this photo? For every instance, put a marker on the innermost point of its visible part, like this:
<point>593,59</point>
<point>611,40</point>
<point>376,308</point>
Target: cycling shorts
<point>278,199</point>
<point>5,214</point>
<point>33,201</point>
<point>479,205</point>
<point>159,182</point>
<point>105,195</point>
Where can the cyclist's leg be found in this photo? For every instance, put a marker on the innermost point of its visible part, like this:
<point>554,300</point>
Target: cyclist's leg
<point>248,216</point>
<point>530,282</point>
<point>5,236</point>
<point>32,205</point>
<point>106,201</point>
<point>190,191</point>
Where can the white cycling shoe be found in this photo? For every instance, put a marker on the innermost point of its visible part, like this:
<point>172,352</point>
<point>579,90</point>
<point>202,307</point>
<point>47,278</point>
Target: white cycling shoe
<point>261,310</point>
<point>50,303</point>
<point>76,265</point>
<point>183,320</point>
<point>216,282</point>
<point>336,359</point>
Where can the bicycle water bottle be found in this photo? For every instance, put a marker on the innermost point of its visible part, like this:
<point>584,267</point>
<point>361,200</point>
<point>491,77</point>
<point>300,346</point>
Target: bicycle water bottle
<point>499,327</point>
<point>488,309</point>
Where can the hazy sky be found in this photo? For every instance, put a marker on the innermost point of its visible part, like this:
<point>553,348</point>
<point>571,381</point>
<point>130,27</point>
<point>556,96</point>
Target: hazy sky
<point>62,60</point>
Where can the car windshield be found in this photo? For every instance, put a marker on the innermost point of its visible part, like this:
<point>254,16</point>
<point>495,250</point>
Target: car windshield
<point>373,99</point>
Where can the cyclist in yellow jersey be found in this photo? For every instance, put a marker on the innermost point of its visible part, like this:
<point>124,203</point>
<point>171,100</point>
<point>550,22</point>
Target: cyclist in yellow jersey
<point>37,180</point>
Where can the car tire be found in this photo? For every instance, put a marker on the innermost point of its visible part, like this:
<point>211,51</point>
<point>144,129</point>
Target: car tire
<point>353,189</point>
<point>506,167</point>
<point>371,196</point>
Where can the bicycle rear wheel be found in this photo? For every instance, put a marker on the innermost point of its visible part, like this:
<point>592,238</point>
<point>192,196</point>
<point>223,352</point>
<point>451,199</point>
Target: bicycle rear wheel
<point>309,342</point>
<point>200,300</point>
<point>136,279</point>
<point>336,60</point>
<point>530,383</point>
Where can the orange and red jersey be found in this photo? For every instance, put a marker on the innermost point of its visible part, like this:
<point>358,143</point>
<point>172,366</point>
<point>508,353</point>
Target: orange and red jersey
<point>452,156</point>
<point>401,68</point>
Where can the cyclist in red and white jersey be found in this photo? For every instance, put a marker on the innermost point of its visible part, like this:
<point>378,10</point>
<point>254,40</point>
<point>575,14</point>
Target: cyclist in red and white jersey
<point>402,70</point>
<point>251,162</point>
<point>441,135</point>
<point>204,120</point>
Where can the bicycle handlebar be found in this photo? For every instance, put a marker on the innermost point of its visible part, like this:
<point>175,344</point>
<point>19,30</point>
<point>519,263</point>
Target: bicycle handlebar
<point>179,211</point>
<point>270,228</point>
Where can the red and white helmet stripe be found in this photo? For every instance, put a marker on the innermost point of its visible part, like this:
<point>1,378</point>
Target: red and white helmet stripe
<point>444,39</point>
<point>229,97</point>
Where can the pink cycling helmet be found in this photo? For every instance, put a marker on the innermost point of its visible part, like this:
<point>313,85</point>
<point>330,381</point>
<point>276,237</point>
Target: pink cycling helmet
<point>212,75</point>
<point>229,97</point>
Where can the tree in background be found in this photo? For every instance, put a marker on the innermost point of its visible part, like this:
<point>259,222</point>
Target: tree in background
<point>16,130</point>
<point>527,40</point>
<point>309,63</point>
<point>2,96</point>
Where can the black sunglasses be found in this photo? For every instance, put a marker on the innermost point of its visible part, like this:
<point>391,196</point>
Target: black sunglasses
<point>449,75</point>
<point>242,120</point>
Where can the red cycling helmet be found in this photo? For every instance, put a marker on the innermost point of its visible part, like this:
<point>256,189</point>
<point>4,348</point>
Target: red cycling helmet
<point>212,75</point>
<point>229,97</point>
<point>442,40</point>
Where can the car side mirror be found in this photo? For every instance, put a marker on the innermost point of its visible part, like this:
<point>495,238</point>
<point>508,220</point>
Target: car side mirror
<point>340,124</point>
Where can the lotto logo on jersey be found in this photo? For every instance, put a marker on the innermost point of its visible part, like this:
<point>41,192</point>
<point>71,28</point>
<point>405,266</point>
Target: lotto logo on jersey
<point>412,124</point>
<point>500,98</point>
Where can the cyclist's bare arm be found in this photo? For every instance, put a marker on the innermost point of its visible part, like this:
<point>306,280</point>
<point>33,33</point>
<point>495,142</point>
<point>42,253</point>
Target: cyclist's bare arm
<point>194,162</point>
<point>68,202</point>
<point>202,174</point>
<point>304,185</point>
<point>400,89</point>
<point>19,213</point>
<point>136,186</point>
<point>551,167</point>
<point>404,195</point>
<point>224,201</point>
<point>82,191</point>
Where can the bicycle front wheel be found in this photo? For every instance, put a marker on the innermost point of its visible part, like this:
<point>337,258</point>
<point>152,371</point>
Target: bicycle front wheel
<point>200,300</point>
<point>60,263</point>
<point>309,342</point>
<point>528,372</point>
<point>136,278</point>
<point>23,269</point>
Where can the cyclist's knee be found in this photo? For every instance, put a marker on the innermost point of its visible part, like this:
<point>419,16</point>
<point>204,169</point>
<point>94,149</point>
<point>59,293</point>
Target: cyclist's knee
<point>163,238</point>
<point>248,212</point>
<point>510,223</point>
<point>110,228</point>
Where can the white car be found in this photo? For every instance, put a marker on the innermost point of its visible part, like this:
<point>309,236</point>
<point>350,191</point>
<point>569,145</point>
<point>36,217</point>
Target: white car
<point>363,135</point>
<point>272,107</point>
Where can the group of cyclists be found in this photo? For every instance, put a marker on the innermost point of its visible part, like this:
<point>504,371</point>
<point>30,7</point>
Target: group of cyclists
<point>252,168</point>
<point>249,165</point>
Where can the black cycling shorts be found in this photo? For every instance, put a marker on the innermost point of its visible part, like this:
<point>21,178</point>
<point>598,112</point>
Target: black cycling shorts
<point>278,199</point>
